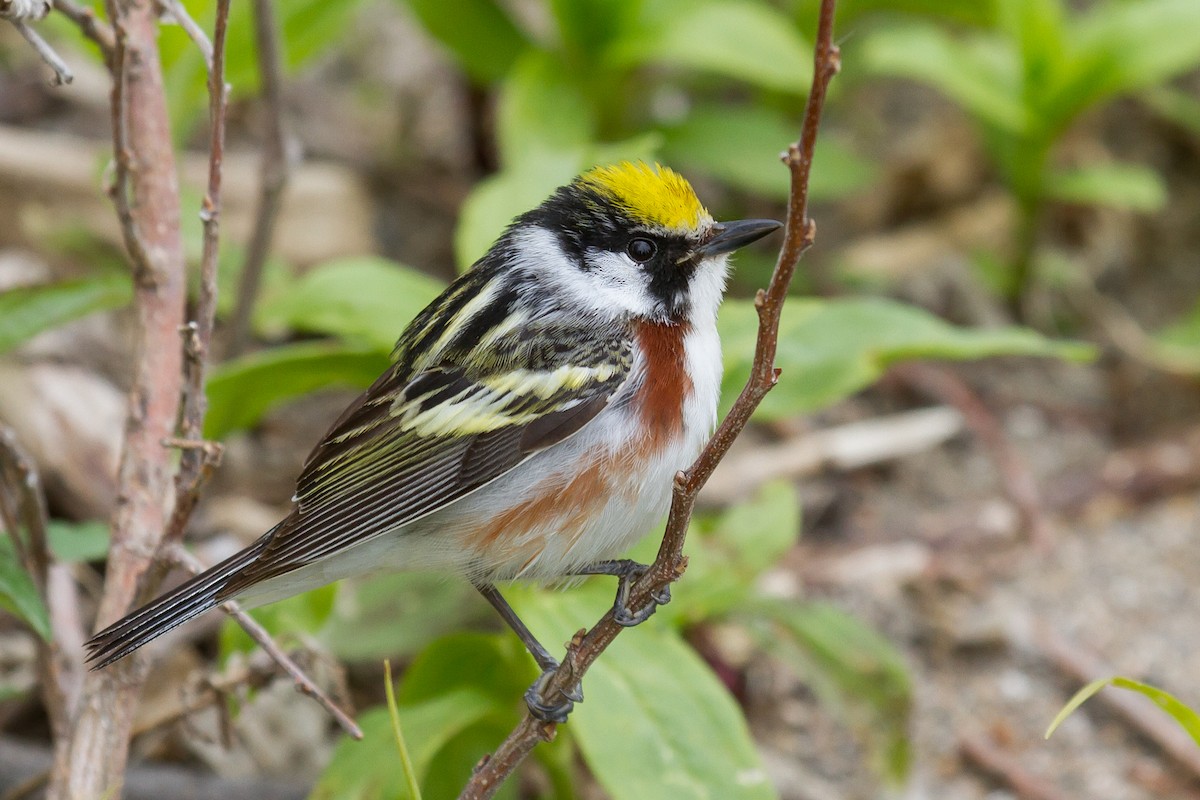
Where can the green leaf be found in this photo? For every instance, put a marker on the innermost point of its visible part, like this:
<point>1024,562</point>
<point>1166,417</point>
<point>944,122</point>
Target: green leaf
<point>1181,713</point>
<point>1143,43</point>
<point>588,27</point>
<point>364,299</point>
<point>367,627</point>
<point>982,73</point>
<point>367,770</point>
<point>29,310</point>
<point>496,664</point>
<point>241,391</point>
<point>741,146</point>
<point>656,722</point>
<point>1176,105</point>
<point>18,595</point>
<point>830,349</point>
<point>1130,186</point>
<point>78,541</point>
<point>746,41</point>
<point>479,34</point>
<point>303,614</point>
<point>541,110</point>
<point>852,668</point>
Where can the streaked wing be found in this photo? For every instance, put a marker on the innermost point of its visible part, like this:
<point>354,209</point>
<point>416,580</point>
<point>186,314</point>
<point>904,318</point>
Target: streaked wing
<point>420,439</point>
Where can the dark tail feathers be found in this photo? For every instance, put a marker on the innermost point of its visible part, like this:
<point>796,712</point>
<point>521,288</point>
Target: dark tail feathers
<point>150,621</point>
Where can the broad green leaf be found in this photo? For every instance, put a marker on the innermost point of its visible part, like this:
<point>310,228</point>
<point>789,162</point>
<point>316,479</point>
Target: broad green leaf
<point>656,722</point>
<point>588,27</point>
<point>367,627</point>
<point>746,41</point>
<point>495,664</point>
<point>452,766</point>
<point>78,541</point>
<point>541,110</point>
<point>1181,713</point>
<point>830,349</point>
<point>18,595</point>
<point>851,667</point>
<point>981,73</point>
<point>368,770</point>
<point>1130,186</point>
<point>741,146</point>
<point>978,13</point>
<point>1145,42</point>
<point>241,391</point>
<point>479,34</point>
<point>304,614</point>
<point>29,310</point>
<point>365,299</point>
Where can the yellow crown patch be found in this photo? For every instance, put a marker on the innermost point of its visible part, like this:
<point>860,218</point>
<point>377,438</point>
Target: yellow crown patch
<point>652,195</point>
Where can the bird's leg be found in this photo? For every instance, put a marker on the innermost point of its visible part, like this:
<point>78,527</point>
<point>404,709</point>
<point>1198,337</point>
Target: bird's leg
<point>627,572</point>
<point>547,712</point>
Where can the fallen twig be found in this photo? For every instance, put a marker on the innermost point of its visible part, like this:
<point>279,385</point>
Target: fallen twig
<point>586,646</point>
<point>1083,667</point>
<point>987,755</point>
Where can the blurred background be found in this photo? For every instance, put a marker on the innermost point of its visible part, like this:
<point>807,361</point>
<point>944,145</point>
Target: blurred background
<point>974,489</point>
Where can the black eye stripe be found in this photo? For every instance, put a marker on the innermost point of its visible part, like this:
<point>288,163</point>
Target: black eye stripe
<point>641,249</point>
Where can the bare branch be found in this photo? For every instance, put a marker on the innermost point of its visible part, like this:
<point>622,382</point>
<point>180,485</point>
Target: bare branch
<point>95,29</point>
<point>304,684</point>
<point>173,11</point>
<point>62,73</point>
<point>587,646</point>
<point>273,173</point>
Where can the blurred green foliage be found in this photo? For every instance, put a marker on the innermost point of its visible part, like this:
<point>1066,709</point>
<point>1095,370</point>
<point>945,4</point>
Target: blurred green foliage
<point>1029,71</point>
<point>1182,713</point>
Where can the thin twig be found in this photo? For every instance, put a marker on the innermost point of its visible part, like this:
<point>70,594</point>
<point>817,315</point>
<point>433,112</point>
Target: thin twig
<point>200,458</point>
<point>799,233</point>
<point>62,73</point>
<point>173,11</point>
<point>25,509</point>
<point>304,684</point>
<point>213,691</point>
<point>988,756</point>
<point>273,174</point>
<point>100,32</point>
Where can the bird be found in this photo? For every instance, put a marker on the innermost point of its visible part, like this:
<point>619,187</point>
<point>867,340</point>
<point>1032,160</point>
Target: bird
<point>531,422</point>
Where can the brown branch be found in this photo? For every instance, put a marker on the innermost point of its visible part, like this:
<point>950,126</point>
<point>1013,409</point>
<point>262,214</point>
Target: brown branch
<point>273,174</point>
<point>200,458</point>
<point>304,684</point>
<point>799,233</point>
<point>100,32</point>
<point>90,761</point>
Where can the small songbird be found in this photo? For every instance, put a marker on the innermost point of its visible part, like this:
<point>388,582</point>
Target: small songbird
<point>532,421</point>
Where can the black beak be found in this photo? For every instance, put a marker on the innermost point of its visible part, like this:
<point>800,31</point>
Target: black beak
<point>732,235</point>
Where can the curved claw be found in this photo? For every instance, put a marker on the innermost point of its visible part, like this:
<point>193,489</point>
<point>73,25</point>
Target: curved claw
<point>551,712</point>
<point>626,617</point>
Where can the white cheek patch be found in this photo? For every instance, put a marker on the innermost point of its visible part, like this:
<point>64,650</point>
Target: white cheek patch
<point>611,284</point>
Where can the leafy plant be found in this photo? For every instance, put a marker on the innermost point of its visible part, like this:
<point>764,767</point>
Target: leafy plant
<point>28,310</point>
<point>594,87</point>
<point>1034,73</point>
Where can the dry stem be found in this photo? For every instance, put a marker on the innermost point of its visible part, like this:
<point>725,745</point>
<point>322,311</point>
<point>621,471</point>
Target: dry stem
<point>587,646</point>
<point>273,174</point>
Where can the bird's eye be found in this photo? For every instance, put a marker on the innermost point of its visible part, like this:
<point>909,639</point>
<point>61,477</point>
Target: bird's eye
<point>641,249</point>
